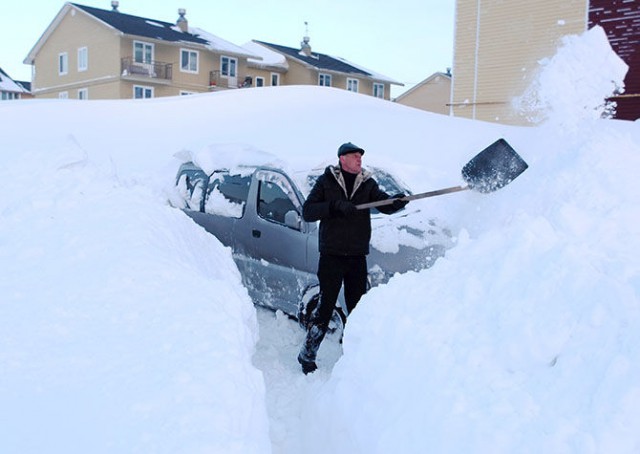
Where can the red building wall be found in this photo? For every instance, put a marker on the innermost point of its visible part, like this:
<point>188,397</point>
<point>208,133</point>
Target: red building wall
<point>621,21</point>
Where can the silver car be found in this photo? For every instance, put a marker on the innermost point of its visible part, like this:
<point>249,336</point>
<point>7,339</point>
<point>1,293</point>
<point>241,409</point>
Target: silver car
<point>257,212</point>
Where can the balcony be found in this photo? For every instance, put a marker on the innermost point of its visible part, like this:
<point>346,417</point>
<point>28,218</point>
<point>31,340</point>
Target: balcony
<point>152,71</point>
<point>217,80</point>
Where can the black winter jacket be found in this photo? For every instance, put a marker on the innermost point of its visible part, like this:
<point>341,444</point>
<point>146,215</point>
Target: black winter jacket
<point>341,235</point>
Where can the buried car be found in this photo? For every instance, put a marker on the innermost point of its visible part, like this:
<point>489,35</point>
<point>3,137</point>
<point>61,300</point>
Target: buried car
<point>252,202</point>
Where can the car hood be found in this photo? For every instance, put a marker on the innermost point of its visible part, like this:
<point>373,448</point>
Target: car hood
<point>412,228</point>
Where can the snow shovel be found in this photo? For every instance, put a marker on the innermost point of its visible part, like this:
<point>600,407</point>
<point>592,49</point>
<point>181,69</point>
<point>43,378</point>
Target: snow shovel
<point>493,168</point>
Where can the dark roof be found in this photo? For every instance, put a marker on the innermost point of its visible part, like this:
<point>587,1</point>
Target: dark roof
<point>141,26</point>
<point>24,84</point>
<point>320,61</point>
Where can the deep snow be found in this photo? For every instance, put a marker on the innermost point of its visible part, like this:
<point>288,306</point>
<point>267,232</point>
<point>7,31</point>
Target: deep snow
<point>124,327</point>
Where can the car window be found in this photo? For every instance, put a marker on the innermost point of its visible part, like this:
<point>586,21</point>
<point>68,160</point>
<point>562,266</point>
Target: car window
<point>191,185</point>
<point>227,194</point>
<point>275,197</point>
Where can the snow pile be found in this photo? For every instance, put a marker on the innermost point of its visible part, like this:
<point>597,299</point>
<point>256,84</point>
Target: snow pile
<point>526,336</point>
<point>573,84</point>
<point>122,327</point>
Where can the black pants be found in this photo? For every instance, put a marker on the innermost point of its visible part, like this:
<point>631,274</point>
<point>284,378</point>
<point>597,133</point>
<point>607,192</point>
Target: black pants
<point>333,271</point>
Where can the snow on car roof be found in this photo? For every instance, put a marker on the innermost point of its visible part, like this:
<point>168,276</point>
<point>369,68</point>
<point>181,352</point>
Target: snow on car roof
<point>237,158</point>
<point>242,159</point>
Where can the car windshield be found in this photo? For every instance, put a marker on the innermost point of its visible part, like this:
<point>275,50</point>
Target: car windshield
<point>388,183</point>
<point>385,181</point>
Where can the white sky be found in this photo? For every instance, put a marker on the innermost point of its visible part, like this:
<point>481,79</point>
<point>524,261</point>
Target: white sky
<point>407,41</point>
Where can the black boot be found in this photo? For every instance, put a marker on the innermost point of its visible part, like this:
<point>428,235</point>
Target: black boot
<point>309,350</point>
<point>307,366</point>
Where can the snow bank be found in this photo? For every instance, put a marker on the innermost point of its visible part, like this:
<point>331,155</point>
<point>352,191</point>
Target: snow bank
<point>526,336</point>
<point>123,326</point>
<point>571,86</point>
<point>524,339</point>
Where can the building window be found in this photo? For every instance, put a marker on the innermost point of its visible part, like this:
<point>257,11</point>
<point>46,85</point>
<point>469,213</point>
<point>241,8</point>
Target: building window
<point>7,95</point>
<point>378,90</point>
<point>352,85</point>
<point>188,61</point>
<point>141,92</point>
<point>324,80</point>
<point>83,93</point>
<point>83,59</point>
<point>275,79</point>
<point>186,93</point>
<point>228,66</point>
<point>142,52</point>
<point>259,81</point>
<point>63,95</point>
<point>63,64</point>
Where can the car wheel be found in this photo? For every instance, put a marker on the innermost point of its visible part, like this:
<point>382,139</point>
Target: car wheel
<point>308,305</point>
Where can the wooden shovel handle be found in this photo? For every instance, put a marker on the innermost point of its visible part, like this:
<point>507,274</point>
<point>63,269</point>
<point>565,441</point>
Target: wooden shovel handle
<point>408,198</point>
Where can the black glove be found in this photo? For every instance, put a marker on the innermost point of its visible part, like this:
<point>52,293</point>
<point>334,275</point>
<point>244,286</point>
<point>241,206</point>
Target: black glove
<point>343,208</point>
<point>399,204</point>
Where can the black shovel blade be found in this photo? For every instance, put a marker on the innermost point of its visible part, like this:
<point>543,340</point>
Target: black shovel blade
<point>494,167</point>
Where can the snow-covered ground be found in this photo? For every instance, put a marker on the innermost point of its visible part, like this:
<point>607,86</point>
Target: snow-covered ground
<point>124,327</point>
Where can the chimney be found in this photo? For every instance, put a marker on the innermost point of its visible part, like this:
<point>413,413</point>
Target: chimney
<point>182,22</point>
<point>114,5</point>
<point>305,47</point>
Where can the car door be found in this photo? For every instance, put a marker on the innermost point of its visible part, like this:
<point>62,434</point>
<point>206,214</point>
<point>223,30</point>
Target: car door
<point>280,242</point>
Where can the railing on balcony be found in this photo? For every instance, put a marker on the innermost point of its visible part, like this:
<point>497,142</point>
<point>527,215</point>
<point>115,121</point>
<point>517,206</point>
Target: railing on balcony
<point>217,80</point>
<point>151,70</point>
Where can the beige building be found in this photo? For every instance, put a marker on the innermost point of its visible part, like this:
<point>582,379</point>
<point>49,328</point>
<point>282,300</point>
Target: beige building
<point>91,53</point>
<point>432,94</point>
<point>282,65</point>
<point>497,48</point>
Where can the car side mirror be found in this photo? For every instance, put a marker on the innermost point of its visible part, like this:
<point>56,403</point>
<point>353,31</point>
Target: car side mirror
<point>292,219</point>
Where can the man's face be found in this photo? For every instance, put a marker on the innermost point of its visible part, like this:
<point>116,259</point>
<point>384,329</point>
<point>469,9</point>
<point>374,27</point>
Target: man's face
<point>351,162</point>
